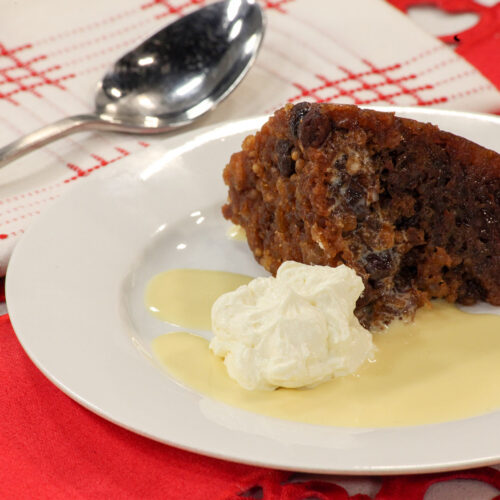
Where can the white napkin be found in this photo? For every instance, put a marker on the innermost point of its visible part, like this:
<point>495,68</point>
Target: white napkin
<point>52,55</point>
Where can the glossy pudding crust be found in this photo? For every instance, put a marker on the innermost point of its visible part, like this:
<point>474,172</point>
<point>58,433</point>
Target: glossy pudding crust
<point>414,210</point>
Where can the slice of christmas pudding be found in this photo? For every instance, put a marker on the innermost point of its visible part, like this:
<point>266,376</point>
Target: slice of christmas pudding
<point>412,209</point>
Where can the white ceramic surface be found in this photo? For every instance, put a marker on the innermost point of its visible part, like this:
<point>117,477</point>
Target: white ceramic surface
<point>75,296</point>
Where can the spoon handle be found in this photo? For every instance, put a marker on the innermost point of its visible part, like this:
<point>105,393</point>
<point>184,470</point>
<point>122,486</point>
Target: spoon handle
<point>52,132</point>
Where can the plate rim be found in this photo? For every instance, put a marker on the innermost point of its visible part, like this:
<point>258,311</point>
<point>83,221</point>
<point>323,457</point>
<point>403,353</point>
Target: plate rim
<point>246,125</point>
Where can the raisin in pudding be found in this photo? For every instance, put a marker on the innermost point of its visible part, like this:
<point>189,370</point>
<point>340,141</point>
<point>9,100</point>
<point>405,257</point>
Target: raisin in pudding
<point>412,209</point>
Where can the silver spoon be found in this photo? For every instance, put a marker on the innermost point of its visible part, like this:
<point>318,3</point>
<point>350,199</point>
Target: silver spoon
<point>169,80</point>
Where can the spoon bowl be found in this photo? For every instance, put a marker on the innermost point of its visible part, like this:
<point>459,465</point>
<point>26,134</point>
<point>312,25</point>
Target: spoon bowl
<point>184,70</point>
<point>169,80</point>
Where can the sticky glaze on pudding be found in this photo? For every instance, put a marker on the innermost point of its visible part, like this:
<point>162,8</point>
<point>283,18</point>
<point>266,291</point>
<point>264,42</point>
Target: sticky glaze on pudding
<point>413,209</point>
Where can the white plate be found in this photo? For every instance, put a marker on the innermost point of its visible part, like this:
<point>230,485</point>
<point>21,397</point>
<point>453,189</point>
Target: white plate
<point>75,295</point>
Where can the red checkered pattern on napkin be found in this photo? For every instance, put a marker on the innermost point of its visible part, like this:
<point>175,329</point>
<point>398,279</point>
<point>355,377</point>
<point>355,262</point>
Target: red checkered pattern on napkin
<point>49,70</point>
<point>479,44</point>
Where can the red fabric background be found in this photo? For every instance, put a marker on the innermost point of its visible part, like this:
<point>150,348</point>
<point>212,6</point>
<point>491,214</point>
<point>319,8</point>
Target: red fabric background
<point>53,448</point>
<point>480,44</point>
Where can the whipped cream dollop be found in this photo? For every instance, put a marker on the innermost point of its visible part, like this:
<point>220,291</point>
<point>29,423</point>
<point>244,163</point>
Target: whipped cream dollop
<point>295,330</point>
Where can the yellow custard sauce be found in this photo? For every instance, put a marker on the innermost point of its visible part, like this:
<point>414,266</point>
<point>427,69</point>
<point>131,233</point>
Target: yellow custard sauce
<point>444,366</point>
<point>236,233</point>
<point>184,297</point>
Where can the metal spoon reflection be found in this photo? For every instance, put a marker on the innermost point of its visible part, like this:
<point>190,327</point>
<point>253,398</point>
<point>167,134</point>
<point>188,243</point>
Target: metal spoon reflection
<point>171,79</point>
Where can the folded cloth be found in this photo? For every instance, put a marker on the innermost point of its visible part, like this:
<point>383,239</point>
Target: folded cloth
<point>53,448</point>
<point>319,50</point>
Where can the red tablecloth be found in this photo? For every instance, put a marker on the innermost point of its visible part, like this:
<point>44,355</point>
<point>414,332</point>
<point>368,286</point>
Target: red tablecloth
<point>479,44</point>
<point>51,447</point>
